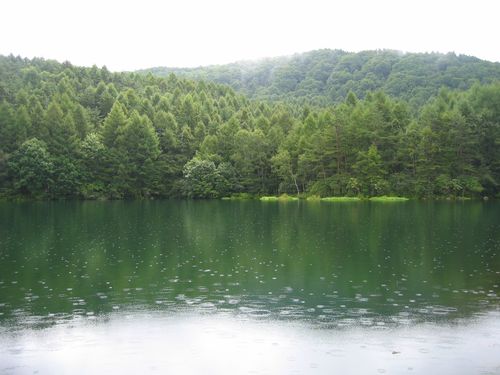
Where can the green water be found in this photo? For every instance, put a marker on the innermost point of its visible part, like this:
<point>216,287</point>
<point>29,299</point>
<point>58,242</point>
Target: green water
<point>331,267</point>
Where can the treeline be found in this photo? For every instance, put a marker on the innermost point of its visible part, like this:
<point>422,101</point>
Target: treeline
<point>71,132</point>
<point>326,76</point>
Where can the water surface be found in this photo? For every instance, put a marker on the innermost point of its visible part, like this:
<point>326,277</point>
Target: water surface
<point>250,287</point>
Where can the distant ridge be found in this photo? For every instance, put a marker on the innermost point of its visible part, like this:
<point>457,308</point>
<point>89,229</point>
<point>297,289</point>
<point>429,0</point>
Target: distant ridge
<point>325,76</point>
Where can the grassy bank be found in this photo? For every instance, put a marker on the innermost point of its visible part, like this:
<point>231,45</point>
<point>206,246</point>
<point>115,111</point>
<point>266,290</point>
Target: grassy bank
<point>316,198</point>
<point>341,199</point>
<point>388,199</point>
<point>281,198</point>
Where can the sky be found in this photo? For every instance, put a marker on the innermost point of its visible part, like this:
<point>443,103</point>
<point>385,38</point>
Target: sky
<point>129,35</point>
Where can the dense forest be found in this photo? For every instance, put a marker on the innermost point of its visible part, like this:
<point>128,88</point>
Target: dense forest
<point>73,132</point>
<point>327,76</point>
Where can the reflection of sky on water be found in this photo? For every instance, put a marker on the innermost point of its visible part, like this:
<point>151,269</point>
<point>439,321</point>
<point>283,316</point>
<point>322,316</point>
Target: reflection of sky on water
<point>195,343</point>
<point>215,287</point>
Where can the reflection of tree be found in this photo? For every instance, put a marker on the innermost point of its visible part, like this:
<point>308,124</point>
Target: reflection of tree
<point>362,255</point>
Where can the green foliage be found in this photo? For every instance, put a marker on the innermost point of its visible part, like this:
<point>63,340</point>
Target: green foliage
<point>137,149</point>
<point>325,76</point>
<point>31,169</point>
<point>370,171</point>
<point>66,177</point>
<point>69,132</point>
<point>203,179</point>
<point>282,164</point>
<point>113,125</point>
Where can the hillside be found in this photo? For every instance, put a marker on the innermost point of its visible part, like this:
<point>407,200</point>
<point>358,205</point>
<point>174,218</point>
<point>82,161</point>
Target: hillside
<point>326,76</point>
<point>69,132</point>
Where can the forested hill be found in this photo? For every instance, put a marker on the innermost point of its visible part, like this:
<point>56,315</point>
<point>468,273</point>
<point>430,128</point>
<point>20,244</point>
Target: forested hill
<point>326,76</point>
<point>70,132</point>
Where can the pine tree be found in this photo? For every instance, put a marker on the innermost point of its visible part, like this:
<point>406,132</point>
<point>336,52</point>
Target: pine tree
<point>113,125</point>
<point>138,148</point>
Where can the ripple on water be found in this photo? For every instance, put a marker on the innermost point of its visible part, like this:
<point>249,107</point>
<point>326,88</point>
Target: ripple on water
<point>254,312</point>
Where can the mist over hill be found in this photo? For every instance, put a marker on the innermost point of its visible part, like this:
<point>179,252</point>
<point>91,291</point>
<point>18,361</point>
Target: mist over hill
<point>326,76</point>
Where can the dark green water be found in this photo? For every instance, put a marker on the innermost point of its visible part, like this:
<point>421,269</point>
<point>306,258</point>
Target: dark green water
<point>330,267</point>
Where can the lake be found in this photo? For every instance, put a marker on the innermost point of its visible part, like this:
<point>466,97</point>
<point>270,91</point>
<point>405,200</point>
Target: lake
<point>215,287</point>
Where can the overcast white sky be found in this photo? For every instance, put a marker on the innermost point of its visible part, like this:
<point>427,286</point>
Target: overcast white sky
<point>128,35</point>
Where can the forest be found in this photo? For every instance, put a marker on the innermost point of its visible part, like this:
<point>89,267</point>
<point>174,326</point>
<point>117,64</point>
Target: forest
<point>327,76</point>
<point>69,132</point>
